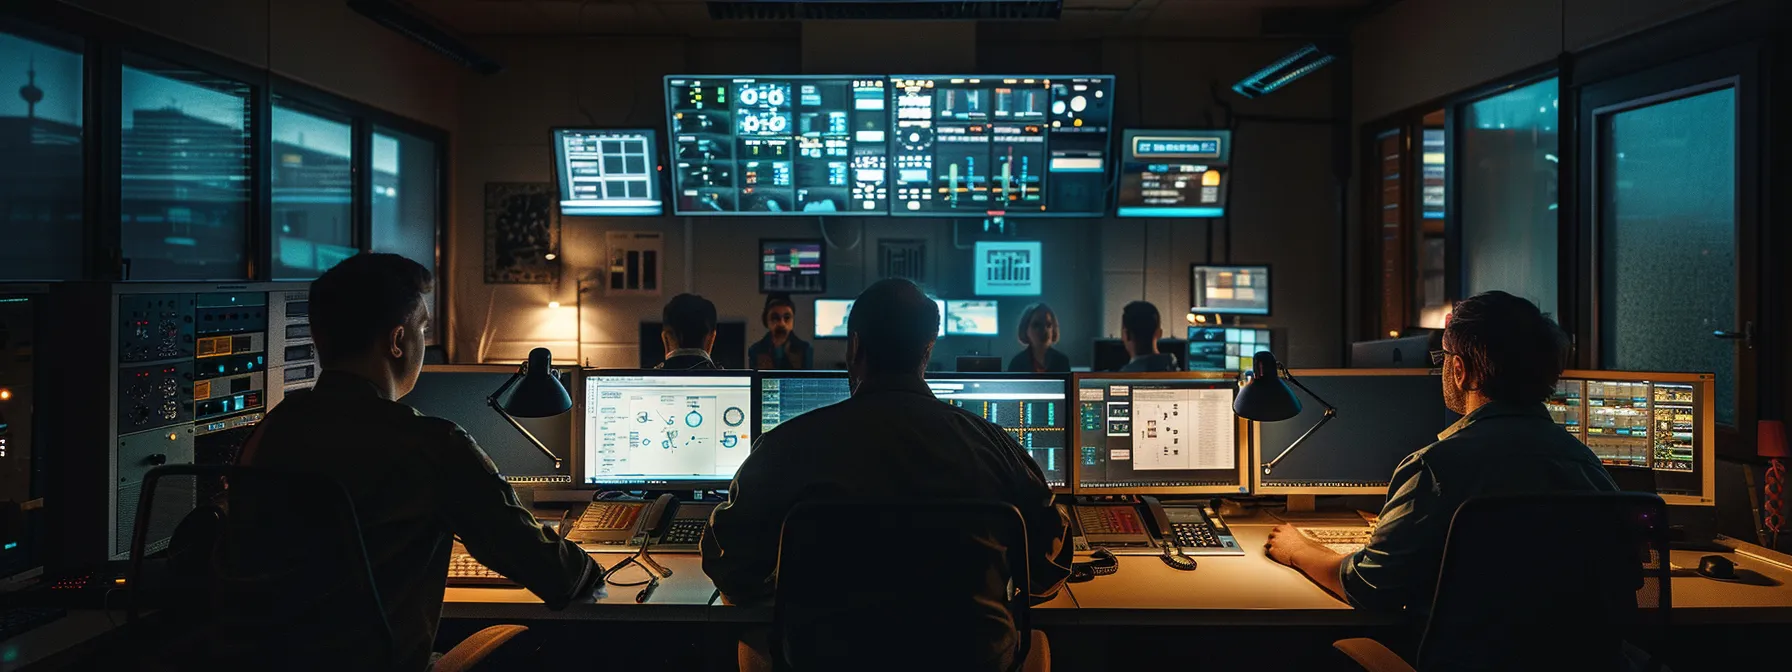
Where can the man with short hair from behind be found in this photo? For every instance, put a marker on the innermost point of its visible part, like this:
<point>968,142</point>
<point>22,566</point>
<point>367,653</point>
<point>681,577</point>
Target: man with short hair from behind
<point>417,482</point>
<point>688,333</point>
<point>892,439</point>
<point>1501,359</point>
<point>1140,329</point>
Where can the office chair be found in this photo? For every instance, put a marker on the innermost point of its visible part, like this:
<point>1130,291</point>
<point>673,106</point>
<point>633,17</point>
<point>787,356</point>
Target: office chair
<point>898,607</point>
<point>257,558</point>
<point>1531,582</point>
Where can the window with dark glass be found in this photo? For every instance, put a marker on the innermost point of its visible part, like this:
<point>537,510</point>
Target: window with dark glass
<point>41,203</point>
<point>312,226</point>
<point>184,182</point>
<point>1430,258</point>
<point>406,201</point>
<point>1508,196</point>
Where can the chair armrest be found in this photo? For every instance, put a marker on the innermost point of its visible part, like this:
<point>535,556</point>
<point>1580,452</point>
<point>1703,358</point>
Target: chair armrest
<point>1372,655</point>
<point>470,652</point>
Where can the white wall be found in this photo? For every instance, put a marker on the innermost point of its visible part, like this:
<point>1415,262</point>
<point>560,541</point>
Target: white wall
<point>1283,198</point>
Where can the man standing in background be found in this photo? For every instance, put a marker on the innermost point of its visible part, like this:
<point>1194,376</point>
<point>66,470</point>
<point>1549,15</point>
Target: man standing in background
<point>780,349</point>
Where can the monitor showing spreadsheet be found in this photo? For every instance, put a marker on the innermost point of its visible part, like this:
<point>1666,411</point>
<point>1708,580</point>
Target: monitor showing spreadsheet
<point>1659,422</point>
<point>787,394</point>
<point>1035,408</point>
<point>688,429</point>
<point>1157,433</point>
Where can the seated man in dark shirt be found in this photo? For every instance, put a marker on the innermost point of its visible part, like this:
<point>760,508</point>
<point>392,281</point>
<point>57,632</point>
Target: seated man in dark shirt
<point>688,332</point>
<point>780,349</point>
<point>891,439</point>
<point>1140,328</point>
<point>1501,359</point>
<point>417,482</point>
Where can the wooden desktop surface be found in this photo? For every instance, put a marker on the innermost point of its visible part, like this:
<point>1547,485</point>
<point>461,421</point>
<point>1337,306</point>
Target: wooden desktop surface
<point>1227,590</point>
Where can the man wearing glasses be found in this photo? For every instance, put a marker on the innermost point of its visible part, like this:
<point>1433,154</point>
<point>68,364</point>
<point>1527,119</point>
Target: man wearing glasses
<point>1501,359</point>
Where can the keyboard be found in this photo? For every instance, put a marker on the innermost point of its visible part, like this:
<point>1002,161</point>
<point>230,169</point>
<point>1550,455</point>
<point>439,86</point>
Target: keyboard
<point>685,532</point>
<point>1195,535</point>
<point>18,621</point>
<point>465,572</point>
<point>1344,540</point>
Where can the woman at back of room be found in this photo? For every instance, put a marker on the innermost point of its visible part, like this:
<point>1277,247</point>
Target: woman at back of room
<point>1038,332</point>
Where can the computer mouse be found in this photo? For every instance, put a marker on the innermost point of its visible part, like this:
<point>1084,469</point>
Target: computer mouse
<point>1717,567</point>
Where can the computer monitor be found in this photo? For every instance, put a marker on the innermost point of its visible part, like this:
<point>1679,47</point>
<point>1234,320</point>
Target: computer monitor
<point>1383,416</point>
<point>831,317</point>
<point>666,429</point>
<point>1177,349</point>
<point>729,352</point>
<point>773,145</point>
<point>1229,290</point>
<point>1655,422</point>
<point>793,266</point>
<point>1108,354</point>
<point>1158,434</point>
<point>1033,407</point>
<point>1226,348</point>
<point>1182,173</point>
<point>972,318</point>
<point>608,172</point>
<point>787,394</point>
<point>457,392</point>
<point>992,145</point>
<point>1410,352</point>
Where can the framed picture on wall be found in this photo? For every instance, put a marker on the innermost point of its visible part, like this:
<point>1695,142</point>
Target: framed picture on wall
<point>522,233</point>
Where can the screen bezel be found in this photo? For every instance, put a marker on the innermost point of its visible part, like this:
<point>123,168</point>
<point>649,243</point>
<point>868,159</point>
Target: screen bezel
<point>644,484</point>
<point>573,459</point>
<point>1108,168</point>
<point>657,152</point>
<point>1148,212</point>
<point>820,244</point>
<point>759,389</point>
<point>1069,390</point>
<point>1269,285</point>
<point>1257,485</point>
<point>947,313</point>
<point>672,154</point>
<point>1706,384</point>
<point>1240,446</point>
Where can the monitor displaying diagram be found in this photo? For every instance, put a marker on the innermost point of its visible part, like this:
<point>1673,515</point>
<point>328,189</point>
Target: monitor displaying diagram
<point>658,427</point>
<point>1155,432</point>
<point>607,172</point>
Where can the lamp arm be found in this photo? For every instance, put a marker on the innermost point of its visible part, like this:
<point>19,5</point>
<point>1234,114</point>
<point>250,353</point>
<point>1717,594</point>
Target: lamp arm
<point>499,407</point>
<point>1330,412</point>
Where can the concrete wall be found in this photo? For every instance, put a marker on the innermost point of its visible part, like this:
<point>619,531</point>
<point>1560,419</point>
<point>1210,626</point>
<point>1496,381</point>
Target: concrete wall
<point>319,42</point>
<point>1283,193</point>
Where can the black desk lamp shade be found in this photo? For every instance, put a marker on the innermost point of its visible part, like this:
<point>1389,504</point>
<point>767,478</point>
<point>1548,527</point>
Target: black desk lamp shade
<point>1265,397</point>
<point>538,394</point>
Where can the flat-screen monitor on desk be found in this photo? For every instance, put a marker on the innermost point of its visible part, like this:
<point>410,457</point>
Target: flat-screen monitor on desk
<point>787,394</point>
<point>1658,422</point>
<point>1157,433</point>
<point>666,429</point>
<point>1383,416</point>
<point>1034,407</point>
<point>457,392</point>
<point>832,315</point>
<point>1229,290</point>
<point>1226,348</point>
<point>1410,352</point>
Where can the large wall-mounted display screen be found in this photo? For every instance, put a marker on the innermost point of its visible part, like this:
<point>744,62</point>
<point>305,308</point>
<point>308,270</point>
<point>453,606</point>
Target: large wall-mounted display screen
<point>778,145</point>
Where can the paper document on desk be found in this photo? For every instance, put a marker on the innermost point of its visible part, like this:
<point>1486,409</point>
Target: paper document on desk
<point>1341,540</point>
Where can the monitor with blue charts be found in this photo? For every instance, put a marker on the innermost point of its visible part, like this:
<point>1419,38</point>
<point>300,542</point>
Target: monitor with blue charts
<point>1175,173</point>
<point>1034,408</point>
<point>608,172</point>
<point>675,429</point>
<point>784,395</point>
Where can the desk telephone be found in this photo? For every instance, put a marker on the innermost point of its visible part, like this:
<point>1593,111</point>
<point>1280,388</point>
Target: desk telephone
<point>1148,527</point>
<point>610,522</point>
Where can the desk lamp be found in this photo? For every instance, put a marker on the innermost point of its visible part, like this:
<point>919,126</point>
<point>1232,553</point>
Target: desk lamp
<point>1266,398</point>
<point>538,395</point>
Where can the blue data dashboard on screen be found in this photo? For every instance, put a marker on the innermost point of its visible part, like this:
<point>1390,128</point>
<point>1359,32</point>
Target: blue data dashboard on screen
<point>608,172</point>
<point>1174,173</point>
<point>778,145</point>
<point>1020,145</point>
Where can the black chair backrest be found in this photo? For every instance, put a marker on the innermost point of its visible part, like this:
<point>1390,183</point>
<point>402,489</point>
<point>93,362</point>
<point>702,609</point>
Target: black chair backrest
<point>273,570</point>
<point>1550,581</point>
<point>901,585</point>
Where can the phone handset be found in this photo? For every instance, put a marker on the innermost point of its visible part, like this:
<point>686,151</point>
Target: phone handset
<point>657,518</point>
<point>1158,523</point>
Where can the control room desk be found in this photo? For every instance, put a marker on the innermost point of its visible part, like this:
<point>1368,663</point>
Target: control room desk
<point>1225,590</point>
